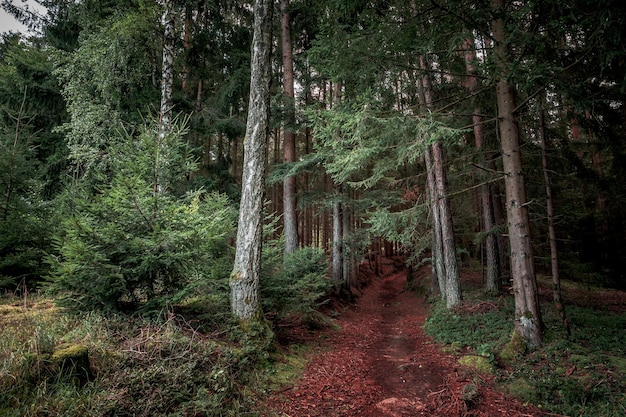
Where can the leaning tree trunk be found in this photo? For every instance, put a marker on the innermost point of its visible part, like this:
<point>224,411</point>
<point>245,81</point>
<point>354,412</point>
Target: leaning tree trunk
<point>527,313</point>
<point>290,221</point>
<point>244,279</point>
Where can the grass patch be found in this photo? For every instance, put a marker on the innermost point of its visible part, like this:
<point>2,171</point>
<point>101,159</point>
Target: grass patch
<point>579,376</point>
<point>161,367</point>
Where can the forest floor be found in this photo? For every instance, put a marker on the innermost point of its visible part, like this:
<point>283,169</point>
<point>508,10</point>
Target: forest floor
<point>380,363</point>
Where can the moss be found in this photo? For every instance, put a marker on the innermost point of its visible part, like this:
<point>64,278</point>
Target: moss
<point>65,352</point>
<point>513,349</point>
<point>521,389</point>
<point>478,363</point>
<point>454,347</point>
<point>71,361</point>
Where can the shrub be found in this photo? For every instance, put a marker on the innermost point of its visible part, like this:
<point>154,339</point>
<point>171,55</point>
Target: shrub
<point>134,241</point>
<point>299,287</point>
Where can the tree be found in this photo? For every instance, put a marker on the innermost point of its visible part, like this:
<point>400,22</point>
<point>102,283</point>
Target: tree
<point>527,313</point>
<point>445,247</point>
<point>290,220</point>
<point>32,158</point>
<point>244,279</point>
<point>554,253</point>
<point>494,281</point>
<point>129,246</point>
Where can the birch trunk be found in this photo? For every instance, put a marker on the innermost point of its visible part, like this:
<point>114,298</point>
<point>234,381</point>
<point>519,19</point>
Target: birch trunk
<point>165,110</point>
<point>244,279</point>
<point>167,67</point>
<point>527,314</point>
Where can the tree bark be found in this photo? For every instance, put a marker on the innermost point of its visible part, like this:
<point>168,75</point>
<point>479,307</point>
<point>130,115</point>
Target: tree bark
<point>338,212</point>
<point>527,313</point>
<point>494,282</point>
<point>438,270</point>
<point>337,239</point>
<point>167,66</point>
<point>244,279</point>
<point>290,220</point>
<point>554,257</point>
<point>346,254</point>
<point>453,284</point>
<point>165,110</point>
<point>442,214</point>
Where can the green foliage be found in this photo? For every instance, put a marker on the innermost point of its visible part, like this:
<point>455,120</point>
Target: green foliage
<point>30,160</point>
<point>299,287</point>
<point>135,241</point>
<point>410,228</point>
<point>364,145</point>
<point>490,328</point>
<point>106,80</point>
<point>579,376</point>
<point>598,330</point>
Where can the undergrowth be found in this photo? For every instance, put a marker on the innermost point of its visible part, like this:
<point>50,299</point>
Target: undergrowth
<point>577,376</point>
<point>159,367</point>
<point>188,359</point>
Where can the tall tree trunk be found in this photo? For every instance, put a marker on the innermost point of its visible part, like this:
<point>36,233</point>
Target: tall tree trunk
<point>165,111</point>
<point>338,212</point>
<point>244,279</point>
<point>438,269</point>
<point>290,221</point>
<point>167,66</point>
<point>554,257</point>
<point>494,282</point>
<point>447,244</point>
<point>527,313</point>
<point>453,283</point>
<point>337,272</point>
<point>346,253</point>
<point>499,218</point>
<point>187,46</point>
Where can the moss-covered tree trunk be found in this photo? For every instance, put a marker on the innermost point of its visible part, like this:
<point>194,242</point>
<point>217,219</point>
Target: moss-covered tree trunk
<point>244,279</point>
<point>527,313</point>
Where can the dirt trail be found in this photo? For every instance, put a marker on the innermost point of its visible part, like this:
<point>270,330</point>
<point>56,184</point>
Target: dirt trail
<point>381,364</point>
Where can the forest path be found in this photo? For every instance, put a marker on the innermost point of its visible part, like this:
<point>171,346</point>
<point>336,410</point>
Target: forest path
<point>381,364</point>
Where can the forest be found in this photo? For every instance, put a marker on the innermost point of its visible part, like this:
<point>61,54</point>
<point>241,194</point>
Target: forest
<point>200,200</point>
